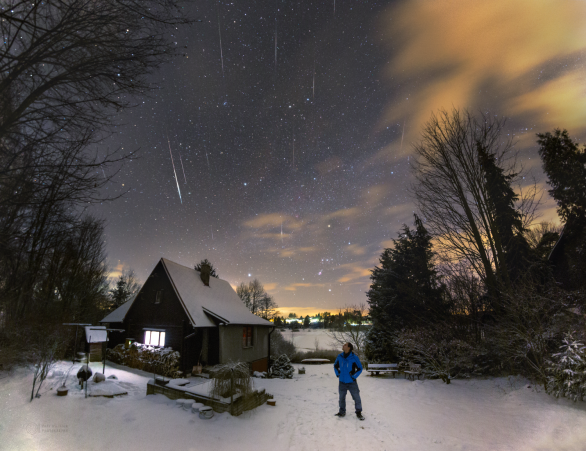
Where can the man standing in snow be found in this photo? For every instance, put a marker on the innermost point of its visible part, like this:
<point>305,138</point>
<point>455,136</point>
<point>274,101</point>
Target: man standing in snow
<point>347,368</point>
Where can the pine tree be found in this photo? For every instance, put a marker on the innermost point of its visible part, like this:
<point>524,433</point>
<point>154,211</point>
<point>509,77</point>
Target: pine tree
<point>205,261</point>
<point>120,294</point>
<point>126,287</point>
<point>564,162</point>
<point>405,292</point>
<point>567,371</point>
<point>282,368</point>
<point>512,250</point>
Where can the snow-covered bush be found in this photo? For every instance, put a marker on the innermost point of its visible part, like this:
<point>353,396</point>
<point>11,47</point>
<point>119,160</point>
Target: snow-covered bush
<point>282,368</point>
<point>163,361</point>
<point>566,371</point>
<point>530,325</point>
<point>440,356</point>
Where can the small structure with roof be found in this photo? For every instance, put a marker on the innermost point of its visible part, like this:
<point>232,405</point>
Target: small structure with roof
<point>200,316</point>
<point>95,342</point>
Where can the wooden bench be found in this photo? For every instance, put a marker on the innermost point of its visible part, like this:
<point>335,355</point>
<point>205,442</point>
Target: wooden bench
<point>414,370</point>
<point>377,368</point>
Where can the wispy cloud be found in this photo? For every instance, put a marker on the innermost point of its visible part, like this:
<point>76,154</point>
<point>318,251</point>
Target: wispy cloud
<point>355,272</point>
<point>273,220</point>
<point>295,286</point>
<point>503,54</point>
<point>356,249</point>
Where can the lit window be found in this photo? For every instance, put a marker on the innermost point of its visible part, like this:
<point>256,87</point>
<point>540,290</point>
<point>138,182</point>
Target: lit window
<point>247,337</point>
<point>154,338</point>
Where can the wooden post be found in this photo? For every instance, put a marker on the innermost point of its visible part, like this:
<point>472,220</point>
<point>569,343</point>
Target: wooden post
<point>87,362</point>
<point>183,347</point>
<point>232,393</point>
<point>75,345</point>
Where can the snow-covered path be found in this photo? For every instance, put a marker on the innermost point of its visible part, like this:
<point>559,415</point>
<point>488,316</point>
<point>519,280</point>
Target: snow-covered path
<point>490,414</point>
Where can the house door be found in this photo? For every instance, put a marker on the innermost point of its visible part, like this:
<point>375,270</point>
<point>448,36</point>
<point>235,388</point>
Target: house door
<point>213,346</point>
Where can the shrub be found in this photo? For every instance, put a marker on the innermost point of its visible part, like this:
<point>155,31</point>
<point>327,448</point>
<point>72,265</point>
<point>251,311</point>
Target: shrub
<point>280,346</point>
<point>163,361</point>
<point>440,355</point>
<point>229,379</point>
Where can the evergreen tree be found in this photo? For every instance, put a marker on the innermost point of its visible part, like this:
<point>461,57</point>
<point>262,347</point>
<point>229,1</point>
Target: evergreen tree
<point>205,261</point>
<point>306,321</point>
<point>567,371</point>
<point>512,250</point>
<point>282,368</point>
<point>126,287</point>
<point>564,162</point>
<point>405,292</point>
<point>120,293</point>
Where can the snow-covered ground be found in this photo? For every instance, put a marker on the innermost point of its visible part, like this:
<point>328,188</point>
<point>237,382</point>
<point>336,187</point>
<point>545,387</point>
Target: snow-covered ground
<point>305,339</point>
<point>489,414</point>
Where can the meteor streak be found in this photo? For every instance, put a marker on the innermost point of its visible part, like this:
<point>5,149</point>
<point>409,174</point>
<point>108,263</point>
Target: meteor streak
<point>174,172</point>
<point>182,168</point>
<point>220,32</point>
<point>313,87</point>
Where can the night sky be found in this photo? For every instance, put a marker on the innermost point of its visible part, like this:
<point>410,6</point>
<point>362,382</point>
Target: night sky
<point>293,158</point>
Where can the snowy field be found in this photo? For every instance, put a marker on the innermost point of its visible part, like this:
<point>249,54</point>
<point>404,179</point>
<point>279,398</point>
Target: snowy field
<point>305,340</point>
<point>490,414</point>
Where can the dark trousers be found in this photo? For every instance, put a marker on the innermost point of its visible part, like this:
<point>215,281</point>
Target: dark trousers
<point>354,391</point>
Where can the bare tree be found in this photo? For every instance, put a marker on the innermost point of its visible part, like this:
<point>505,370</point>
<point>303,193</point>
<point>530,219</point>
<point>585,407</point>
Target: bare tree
<point>349,332</point>
<point>257,300</point>
<point>543,237</point>
<point>65,66</point>
<point>454,192</point>
<point>65,63</point>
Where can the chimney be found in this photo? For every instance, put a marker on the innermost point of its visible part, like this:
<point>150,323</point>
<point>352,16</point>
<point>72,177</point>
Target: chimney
<point>204,273</point>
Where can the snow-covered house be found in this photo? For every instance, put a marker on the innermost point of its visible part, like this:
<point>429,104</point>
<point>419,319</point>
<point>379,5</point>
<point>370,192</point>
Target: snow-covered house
<point>200,316</point>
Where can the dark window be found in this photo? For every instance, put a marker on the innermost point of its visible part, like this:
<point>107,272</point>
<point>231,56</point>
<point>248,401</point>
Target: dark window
<point>158,296</point>
<point>247,337</point>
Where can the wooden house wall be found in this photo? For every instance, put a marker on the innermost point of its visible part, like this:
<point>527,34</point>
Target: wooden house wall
<point>231,342</point>
<point>168,314</point>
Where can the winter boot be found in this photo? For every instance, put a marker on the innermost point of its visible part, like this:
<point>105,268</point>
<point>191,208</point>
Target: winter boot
<point>340,414</point>
<point>359,416</point>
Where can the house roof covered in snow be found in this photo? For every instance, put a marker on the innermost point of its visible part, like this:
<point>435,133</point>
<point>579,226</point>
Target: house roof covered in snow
<point>218,300</point>
<point>200,302</point>
<point>96,334</point>
<point>118,315</point>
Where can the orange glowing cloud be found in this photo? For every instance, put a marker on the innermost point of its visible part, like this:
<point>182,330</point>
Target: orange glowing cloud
<point>272,220</point>
<point>295,286</point>
<point>518,57</point>
<point>355,273</point>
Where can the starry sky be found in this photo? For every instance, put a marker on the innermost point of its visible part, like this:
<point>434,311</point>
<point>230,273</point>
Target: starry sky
<point>291,125</point>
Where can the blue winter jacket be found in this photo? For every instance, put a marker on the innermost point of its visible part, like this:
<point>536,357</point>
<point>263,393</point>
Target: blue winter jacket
<point>347,368</point>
